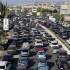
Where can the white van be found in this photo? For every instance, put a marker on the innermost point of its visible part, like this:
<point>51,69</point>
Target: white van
<point>25,49</point>
<point>25,45</point>
<point>4,65</point>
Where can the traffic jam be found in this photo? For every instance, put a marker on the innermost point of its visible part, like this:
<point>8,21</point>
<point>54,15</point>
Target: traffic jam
<point>30,47</point>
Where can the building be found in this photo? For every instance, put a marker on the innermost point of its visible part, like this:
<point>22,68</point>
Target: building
<point>14,8</point>
<point>65,8</point>
<point>34,6</point>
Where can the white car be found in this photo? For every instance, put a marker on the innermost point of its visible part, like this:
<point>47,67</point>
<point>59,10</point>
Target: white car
<point>41,55</point>
<point>54,51</point>
<point>25,45</point>
<point>54,44</point>
<point>4,65</point>
<point>38,42</point>
<point>68,41</point>
<point>43,34</point>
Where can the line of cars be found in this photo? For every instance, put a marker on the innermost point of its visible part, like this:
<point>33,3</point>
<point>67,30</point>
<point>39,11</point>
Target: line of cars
<point>12,48</point>
<point>23,37</point>
<point>62,57</point>
<point>62,31</point>
<point>39,47</point>
<point>23,59</point>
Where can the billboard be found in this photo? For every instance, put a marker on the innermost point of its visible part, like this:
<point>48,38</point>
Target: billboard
<point>5,24</point>
<point>63,6</point>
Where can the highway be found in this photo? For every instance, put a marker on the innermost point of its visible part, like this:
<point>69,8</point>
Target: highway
<point>17,36</point>
<point>56,37</point>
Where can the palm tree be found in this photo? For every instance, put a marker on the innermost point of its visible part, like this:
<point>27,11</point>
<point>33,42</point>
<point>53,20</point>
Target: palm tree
<point>2,10</point>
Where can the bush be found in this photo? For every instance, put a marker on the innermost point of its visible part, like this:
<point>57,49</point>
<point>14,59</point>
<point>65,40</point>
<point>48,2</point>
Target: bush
<point>58,16</point>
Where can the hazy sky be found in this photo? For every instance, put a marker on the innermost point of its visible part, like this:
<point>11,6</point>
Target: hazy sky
<point>18,2</point>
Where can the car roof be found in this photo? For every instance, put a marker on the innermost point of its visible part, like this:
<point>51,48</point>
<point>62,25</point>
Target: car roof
<point>3,63</point>
<point>26,44</point>
<point>62,51</point>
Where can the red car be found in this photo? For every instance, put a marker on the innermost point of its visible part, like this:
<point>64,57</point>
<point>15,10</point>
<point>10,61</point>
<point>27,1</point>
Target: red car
<point>39,49</point>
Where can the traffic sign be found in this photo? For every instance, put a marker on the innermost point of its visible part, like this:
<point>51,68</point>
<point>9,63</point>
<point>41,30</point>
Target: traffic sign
<point>5,24</point>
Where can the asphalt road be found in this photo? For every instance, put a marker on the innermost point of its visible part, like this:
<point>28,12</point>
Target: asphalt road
<point>33,62</point>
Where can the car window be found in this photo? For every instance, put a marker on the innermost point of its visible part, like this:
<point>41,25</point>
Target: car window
<point>7,64</point>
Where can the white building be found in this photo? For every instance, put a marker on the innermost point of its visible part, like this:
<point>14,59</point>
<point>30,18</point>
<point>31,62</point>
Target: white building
<point>65,8</point>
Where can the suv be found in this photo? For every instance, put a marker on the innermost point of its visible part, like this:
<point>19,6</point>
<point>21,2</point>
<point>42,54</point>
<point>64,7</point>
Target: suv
<point>62,60</point>
<point>41,55</point>
<point>12,49</point>
<point>25,49</point>
<point>7,57</point>
<point>4,65</point>
<point>22,63</point>
<point>25,52</point>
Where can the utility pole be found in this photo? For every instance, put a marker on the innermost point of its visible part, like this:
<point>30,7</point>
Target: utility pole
<point>41,9</point>
<point>5,16</point>
<point>5,21</point>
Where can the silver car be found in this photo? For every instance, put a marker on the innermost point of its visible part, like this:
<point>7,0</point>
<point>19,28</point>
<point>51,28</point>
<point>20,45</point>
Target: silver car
<point>22,63</point>
<point>42,66</point>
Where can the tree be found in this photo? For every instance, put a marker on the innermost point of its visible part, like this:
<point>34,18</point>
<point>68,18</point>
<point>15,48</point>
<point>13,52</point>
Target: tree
<point>55,11</point>
<point>42,11</point>
<point>25,11</point>
<point>58,16</point>
<point>3,10</point>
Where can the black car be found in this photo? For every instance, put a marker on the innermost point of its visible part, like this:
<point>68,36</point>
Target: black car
<point>7,57</point>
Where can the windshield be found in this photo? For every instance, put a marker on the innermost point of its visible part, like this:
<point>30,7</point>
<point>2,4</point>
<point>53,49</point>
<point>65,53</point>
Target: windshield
<point>42,53</point>
<point>2,67</point>
<point>25,50</point>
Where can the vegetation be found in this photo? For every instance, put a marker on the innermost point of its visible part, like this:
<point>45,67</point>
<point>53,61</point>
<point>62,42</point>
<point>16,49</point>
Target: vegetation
<point>42,11</point>
<point>58,16</point>
<point>34,13</point>
<point>3,10</point>
<point>54,13</point>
